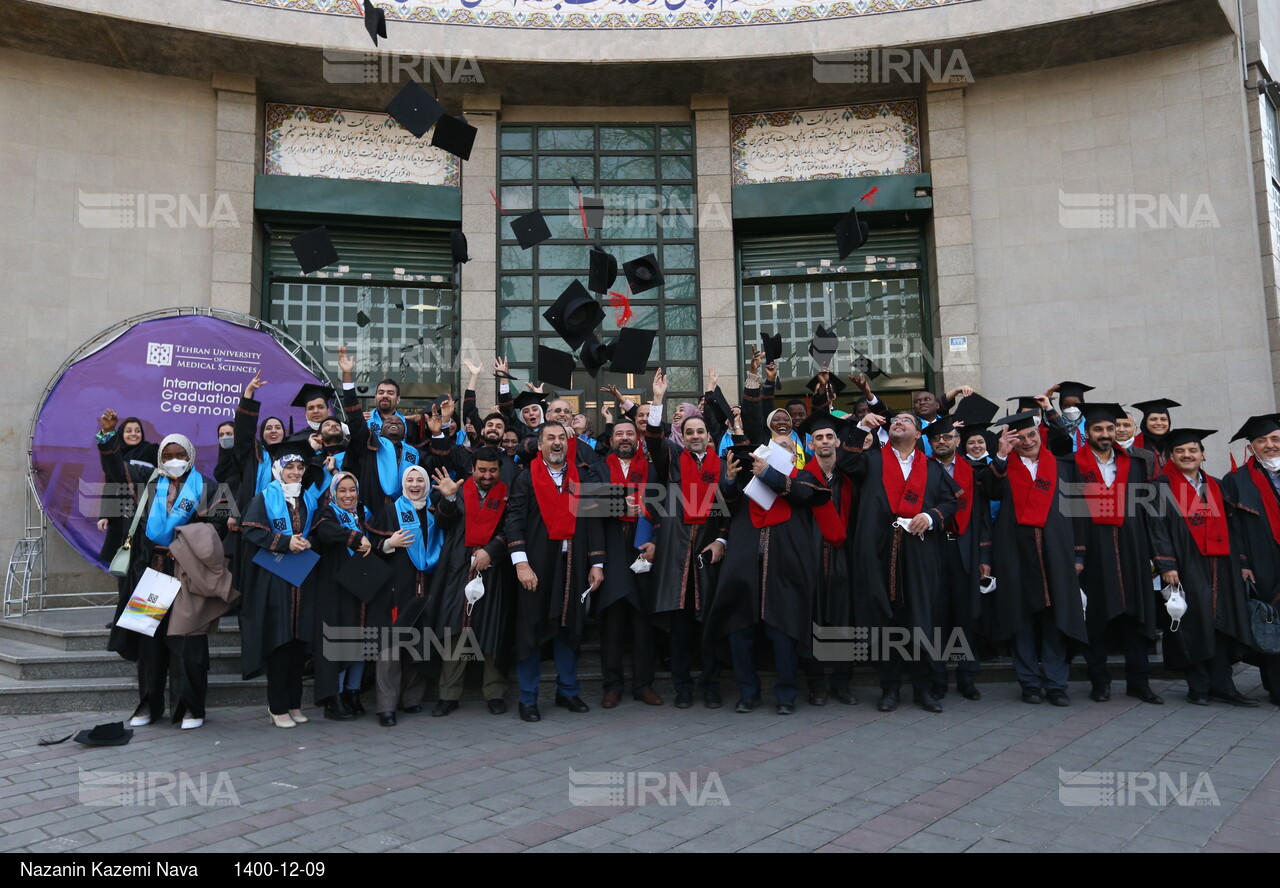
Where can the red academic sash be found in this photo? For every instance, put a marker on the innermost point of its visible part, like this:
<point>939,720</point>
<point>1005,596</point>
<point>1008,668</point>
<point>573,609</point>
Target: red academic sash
<point>559,507</point>
<point>634,480</point>
<point>964,478</point>
<point>1106,504</point>
<point>832,524</point>
<point>698,485</point>
<point>483,518</point>
<point>1269,503</point>
<point>1206,519</point>
<point>779,512</point>
<point>1032,498</point>
<point>906,495</point>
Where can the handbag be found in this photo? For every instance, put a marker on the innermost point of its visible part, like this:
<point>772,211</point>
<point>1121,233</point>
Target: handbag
<point>124,556</point>
<point>1264,621</point>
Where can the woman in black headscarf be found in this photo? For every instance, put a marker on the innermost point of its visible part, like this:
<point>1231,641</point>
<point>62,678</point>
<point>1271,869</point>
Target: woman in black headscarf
<point>122,448</point>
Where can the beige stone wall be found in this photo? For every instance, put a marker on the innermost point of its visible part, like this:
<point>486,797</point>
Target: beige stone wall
<point>73,127</point>
<point>1139,312</point>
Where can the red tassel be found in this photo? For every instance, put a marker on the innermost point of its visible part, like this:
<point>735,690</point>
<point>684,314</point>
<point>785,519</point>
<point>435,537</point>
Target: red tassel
<point>1234,467</point>
<point>869,197</point>
<point>495,202</point>
<point>618,300</point>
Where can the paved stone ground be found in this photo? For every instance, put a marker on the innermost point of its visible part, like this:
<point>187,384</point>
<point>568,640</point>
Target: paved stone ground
<point>982,776</point>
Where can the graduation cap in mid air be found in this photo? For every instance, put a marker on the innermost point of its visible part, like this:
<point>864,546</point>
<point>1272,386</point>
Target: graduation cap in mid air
<point>310,391</point>
<point>314,249</point>
<point>454,135</point>
<point>643,273</point>
<point>1258,426</point>
<point>458,247</point>
<point>974,410</point>
<point>530,229</point>
<point>772,346</point>
<point>850,233</point>
<point>375,21</point>
<point>415,109</point>
<point>867,367</point>
<point>574,314</point>
<point>824,346</point>
<point>631,350</point>
<point>594,354</point>
<point>556,367</point>
<point>603,271</point>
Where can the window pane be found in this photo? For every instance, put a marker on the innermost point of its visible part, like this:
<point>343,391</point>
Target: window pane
<point>627,252</point>
<point>518,349</point>
<point>517,167</point>
<point>677,198</point>
<point>563,256</point>
<point>515,258</point>
<point>630,226</point>
<point>626,138</point>
<point>550,286</point>
<point>555,166</point>
<point>644,317</point>
<point>557,197</point>
<point>517,197</point>
<point>676,256</point>
<point>518,318</point>
<point>681,317</point>
<point>680,348</point>
<point>677,226</point>
<point>566,138</point>
<point>516,288</point>
<point>631,197</point>
<point>679,287</point>
<point>517,138</point>
<point>676,138</point>
<point>677,167</point>
<point>563,226</point>
<point>626,167</point>
<point>682,379</point>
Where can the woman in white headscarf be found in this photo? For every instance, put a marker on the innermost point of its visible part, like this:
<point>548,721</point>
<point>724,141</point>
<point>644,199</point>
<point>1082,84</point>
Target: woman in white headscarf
<point>173,494</point>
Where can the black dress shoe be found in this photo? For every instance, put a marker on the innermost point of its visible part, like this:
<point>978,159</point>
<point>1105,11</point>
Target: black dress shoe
<point>412,710</point>
<point>497,706</point>
<point>1275,699</point>
<point>711,700</point>
<point>845,696</point>
<point>444,707</point>
<point>684,699</point>
<point>387,719</point>
<point>1031,695</point>
<point>786,709</point>
<point>746,706</point>
<point>530,713</point>
<point>1100,693</point>
<point>573,704</point>
<point>353,702</point>
<point>1058,698</point>
<point>1197,699</point>
<point>928,702</point>
<point>1144,693</point>
<point>938,691</point>
<point>888,701</point>
<point>337,710</point>
<point>969,691</point>
<point>1235,698</point>
<point>817,698</point>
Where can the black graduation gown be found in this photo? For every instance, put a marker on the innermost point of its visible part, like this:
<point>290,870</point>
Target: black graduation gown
<point>119,463</point>
<point>272,612</point>
<point>442,453</point>
<point>1117,559</point>
<point>833,593</point>
<point>407,582</point>
<point>362,461</point>
<point>334,605</point>
<point>556,604</point>
<point>970,541</point>
<point>1034,567</point>
<point>1258,548</point>
<point>620,551</point>
<point>492,618</point>
<point>901,574</point>
<point>1213,586</point>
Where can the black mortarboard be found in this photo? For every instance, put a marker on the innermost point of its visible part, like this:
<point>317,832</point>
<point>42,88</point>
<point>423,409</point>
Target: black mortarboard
<point>631,350</point>
<point>111,734</point>
<point>742,453</point>
<point>643,273</point>
<point>594,354</point>
<point>364,577</point>
<point>574,314</point>
<point>375,21</point>
<point>1158,405</point>
<point>593,211</point>
<point>772,344</point>
<point>362,319</point>
<point>838,385</point>
<point>1025,402</point>
<point>556,367</point>
<point>821,420</point>
<point>314,249</point>
<point>458,247</point>
<point>603,271</point>
<point>530,229</point>
<point>850,233</point>
<point>1180,436</point>
<point>415,109</point>
<point>823,346</point>
<point>454,135</point>
<point>1019,421</point>
<point>310,392</point>
<point>1258,426</point>
<point>1099,412</point>
<point>864,365</point>
<point>720,405</point>
<point>974,410</point>
<point>525,399</point>
<point>1071,389</point>
<point>940,426</point>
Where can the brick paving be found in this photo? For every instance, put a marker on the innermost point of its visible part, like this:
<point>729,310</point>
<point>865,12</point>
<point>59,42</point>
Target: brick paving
<point>982,776</point>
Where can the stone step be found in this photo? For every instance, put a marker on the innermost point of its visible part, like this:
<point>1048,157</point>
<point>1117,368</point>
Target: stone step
<point>24,661</point>
<point>112,695</point>
<point>85,629</point>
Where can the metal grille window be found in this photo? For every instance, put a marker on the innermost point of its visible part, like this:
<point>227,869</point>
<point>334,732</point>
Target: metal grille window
<point>873,300</point>
<point>390,299</point>
<point>645,175</point>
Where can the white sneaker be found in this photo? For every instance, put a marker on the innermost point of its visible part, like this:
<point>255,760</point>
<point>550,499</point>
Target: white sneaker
<point>139,721</point>
<point>189,723</point>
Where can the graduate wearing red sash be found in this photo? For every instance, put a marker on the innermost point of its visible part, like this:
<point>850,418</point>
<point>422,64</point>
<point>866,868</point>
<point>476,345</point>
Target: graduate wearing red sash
<point>1112,527</point>
<point>1252,493</point>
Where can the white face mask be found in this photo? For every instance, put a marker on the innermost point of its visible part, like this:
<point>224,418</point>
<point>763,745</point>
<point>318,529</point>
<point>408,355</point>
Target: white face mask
<point>1071,413</point>
<point>226,442</point>
<point>176,468</point>
<point>1270,463</point>
<point>1176,604</point>
<point>291,490</point>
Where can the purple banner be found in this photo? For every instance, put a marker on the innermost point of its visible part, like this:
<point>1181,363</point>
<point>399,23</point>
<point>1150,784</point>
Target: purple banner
<point>179,375</point>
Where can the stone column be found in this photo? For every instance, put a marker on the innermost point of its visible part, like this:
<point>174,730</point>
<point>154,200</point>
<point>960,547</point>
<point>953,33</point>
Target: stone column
<point>478,310</point>
<point>952,291</point>
<point>717,287</point>
<point>233,284</point>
